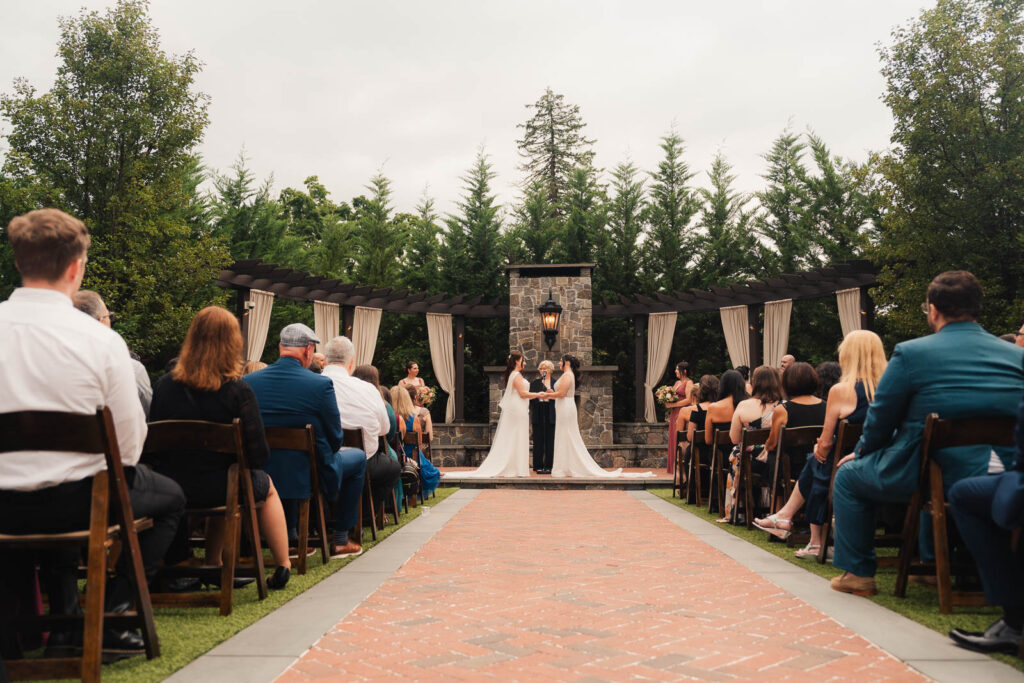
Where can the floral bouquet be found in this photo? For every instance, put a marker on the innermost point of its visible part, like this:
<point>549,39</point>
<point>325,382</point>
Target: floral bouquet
<point>426,395</point>
<point>665,394</point>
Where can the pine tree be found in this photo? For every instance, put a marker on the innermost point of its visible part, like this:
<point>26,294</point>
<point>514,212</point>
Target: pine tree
<point>620,258</point>
<point>582,236</point>
<point>673,204</point>
<point>533,237</point>
<point>724,246</point>
<point>471,261</point>
<point>379,240</point>
<point>781,222</point>
<point>553,145</point>
<point>422,256</point>
<point>839,206</point>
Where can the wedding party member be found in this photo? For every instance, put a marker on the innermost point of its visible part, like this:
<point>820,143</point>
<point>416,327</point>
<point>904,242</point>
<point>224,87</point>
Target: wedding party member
<point>786,361</point>
<point>361,409</point>
<point>206,385</point>
<point>57,359</point>
<point>510,449</point>
<point>291,396</point>
<point>542,420</point>
<point>405,412</point>
<point>412,378</point>
<point>924,376</point>
<point>682,387</point>
<point>862,359</point>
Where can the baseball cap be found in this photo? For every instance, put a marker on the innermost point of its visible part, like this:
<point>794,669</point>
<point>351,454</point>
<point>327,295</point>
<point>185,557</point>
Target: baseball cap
<point>298,334</point>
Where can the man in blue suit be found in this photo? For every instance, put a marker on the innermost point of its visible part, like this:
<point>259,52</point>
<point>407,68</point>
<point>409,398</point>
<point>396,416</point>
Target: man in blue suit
<point>960,371</point>
<point>986,509</point>
<point>291,396</point>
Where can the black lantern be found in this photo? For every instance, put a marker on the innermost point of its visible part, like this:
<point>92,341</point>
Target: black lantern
<point>550,314</point>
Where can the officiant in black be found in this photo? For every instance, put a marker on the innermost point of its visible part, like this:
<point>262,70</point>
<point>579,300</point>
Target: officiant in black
<point>542,419</point>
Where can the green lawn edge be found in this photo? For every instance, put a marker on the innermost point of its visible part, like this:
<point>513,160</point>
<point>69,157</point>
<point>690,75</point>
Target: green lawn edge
<point>186,634</point>
<point>920,605</point>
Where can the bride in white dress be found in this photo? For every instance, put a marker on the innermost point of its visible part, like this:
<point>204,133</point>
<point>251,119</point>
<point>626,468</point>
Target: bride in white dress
<point>510,450</point>
<point>571,458</point>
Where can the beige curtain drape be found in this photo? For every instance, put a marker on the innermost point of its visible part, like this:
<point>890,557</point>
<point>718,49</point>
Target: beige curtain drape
<point>737,336</point>
<point>660,328</point>
<point>776,330</point>
<point>326,322</point>
<point>365,326</point>
<point>439,333</point>
<point>848,301</point>
<point>259,323</point>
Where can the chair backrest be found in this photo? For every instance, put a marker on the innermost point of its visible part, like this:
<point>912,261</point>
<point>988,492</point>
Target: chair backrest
<point>799,437</point>
<point>194,435</point>
<point>411,438</point>
<point>847,437</point>
<point>39,430</point>
<point>955,433</point>
<point>753,437</point>
<point>352,438</point>
<point>292,439</point>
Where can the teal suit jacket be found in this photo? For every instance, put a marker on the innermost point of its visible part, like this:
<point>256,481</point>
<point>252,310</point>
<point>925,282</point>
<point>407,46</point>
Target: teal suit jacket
<point>961,371</point>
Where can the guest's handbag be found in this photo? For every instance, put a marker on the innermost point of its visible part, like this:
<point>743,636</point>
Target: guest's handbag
<point>411,476</point>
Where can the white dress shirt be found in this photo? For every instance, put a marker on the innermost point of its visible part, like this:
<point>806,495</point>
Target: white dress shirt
<point>54,357</point>
<point>360,405</point>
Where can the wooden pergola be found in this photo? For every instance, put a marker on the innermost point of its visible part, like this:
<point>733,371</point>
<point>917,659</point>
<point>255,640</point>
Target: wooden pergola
<point>296,285</point>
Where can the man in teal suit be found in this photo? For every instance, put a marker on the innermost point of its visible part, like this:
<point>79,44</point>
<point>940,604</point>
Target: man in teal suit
<point>960,371</point>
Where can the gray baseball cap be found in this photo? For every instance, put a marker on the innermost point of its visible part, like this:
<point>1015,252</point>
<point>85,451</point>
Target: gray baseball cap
<point>298,334</point>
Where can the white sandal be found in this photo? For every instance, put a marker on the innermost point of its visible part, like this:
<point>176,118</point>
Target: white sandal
<point>808,551</point>
<point>774,529</point>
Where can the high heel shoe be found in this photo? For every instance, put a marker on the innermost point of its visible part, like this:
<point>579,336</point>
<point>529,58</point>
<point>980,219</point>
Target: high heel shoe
<point>280,578</point>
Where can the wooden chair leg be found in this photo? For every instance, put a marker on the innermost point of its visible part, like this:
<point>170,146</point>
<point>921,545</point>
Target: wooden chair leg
<point>368,498</point>
<point>394,506</point>
<point>826,532</point>
<point>907,545</point>
<point>96,579</point>
<point>321,525</point>
<point>714,481</point>
<point>303,542</point>
<point>232,536</point>
<point>748,492</point>
<point>942,570</point>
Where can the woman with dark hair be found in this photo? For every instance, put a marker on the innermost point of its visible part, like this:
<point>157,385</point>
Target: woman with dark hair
<point>682,387</point>
<point>691,418</point>
<point>745,371</point>
<point>828,373</point>
<point>412,378</point>
<point>732,390</point>
<point>510,449</point>
<point>571,458</point>
<point>205,384</point>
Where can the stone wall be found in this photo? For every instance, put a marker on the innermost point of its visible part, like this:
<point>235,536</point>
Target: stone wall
<point>641,433</point>
<point>528,289</point>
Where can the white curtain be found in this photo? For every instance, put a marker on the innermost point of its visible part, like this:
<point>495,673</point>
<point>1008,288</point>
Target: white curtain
<point>259,322</point>
<point>660,328</point>
<point>737,334</point>
<point>439,333</point>
<point>326,322</point>
<point>776,330</point>
<point>365,326</point>
<point>849,309</point>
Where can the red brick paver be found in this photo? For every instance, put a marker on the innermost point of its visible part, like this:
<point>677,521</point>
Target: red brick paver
<point>584,585</point>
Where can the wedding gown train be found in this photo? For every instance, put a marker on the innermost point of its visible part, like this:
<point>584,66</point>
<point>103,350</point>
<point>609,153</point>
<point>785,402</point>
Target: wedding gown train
<point>510,449</point>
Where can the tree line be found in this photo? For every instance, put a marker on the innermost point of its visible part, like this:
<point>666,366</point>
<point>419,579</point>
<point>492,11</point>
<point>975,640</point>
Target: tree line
<point>115,140</point>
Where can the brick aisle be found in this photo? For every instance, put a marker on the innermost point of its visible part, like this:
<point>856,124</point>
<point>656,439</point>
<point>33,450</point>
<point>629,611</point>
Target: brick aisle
<point>583,585</point>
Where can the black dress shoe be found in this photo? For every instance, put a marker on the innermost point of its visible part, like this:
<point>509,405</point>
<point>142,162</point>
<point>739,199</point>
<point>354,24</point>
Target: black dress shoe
<point>280,578</point>
<point>118,645</point>
<point>998,637</point>
<point>238,582</point>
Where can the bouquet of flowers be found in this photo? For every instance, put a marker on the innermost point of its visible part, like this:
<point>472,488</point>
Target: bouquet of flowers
<point>426,395</point>
<point>665,394</point>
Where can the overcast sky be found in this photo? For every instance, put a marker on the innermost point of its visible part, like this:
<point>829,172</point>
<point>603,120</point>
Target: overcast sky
<point>344,89</point>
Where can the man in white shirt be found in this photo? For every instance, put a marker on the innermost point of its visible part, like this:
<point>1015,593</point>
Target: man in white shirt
<point>56,359</point>
<point>361,408</point>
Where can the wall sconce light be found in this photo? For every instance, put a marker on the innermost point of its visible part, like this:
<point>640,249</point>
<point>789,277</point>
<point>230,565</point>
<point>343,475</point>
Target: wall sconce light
<point>550,315</point>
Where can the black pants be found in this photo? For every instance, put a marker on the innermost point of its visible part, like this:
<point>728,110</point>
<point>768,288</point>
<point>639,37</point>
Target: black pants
<point>543,444</point>
<point>66,507</point>
<point>384,472</point>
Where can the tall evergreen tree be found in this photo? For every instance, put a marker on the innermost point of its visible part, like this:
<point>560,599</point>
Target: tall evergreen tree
<point>838,208</point>
<point>379,239</point>
<point>724,247</point>
<point>620,259</point>
<point>553,145</point>
<point>582,235</point>
<point>423,253</point>
<point>780,223</point>
<point>673,204</point>
<point>479,221</point>
<point>533,236</point>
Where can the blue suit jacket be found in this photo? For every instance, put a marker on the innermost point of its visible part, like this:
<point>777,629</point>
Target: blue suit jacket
<point>291,396</point>
<point>961,371</point>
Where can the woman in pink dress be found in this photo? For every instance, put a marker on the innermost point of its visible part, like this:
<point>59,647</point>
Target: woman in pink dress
<point>682,389</point>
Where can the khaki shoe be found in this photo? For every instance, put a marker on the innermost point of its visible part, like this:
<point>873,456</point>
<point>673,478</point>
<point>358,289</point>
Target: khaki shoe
<point>855,585</point>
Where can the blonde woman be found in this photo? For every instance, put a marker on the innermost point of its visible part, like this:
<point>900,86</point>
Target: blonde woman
<point>862,359</point>
<point>542,419</point>
<point>405,415</point>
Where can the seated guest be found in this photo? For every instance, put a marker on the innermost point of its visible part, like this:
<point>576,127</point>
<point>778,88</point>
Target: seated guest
<point>291,396</point>
<point>1009,337</point>
<point>924,376</point>
<point>91,303</point>
<point>57,359</point>
<point>252,366</point>
<point>986,510</point>
<point>692,417</point>
<point>406,414</point>
<point>369,373</point>
<point>862,358</point>
<point>422,414</point>
<point>412,378</point>
<point>319,363</point>
<point>361,409</point>
<point>206,385</point>
<point>752,413</point>
<point>745,371</point>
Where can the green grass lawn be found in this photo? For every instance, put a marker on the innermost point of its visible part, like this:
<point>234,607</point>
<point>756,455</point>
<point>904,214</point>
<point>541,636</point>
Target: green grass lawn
<point>921,603</point>
<point>185,634</point>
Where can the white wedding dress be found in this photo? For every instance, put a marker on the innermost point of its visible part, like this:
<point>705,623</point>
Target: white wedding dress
<point>510,450</point>
<point>571,457</point>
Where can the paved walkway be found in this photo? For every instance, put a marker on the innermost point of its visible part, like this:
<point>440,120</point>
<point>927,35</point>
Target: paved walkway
<point>584,585</point>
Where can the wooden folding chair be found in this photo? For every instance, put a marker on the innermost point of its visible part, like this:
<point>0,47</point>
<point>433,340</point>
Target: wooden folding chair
<point>847,436</point>
<point>677,471</point>
<point>238,512</point>
<point>412,439</point>
<point>721,445</point>
<point>694,494</point>
<point>930,499</point>
<point>53,431</point>
<point>745,477</point>
<point>353,438</point>
<point>285,438</point>
<point>382,446</point>
<point>790,439</point>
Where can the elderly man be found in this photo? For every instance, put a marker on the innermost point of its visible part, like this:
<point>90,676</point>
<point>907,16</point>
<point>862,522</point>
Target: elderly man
<point>361,408</point>
<point>924,376</point>
<point>86,365</point>
<point>291,396</point>
<point>91,303</point>
<point>786,361</point>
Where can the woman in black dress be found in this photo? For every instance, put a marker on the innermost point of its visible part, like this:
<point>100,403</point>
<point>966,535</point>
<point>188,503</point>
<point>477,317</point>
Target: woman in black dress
<point>205,385</point>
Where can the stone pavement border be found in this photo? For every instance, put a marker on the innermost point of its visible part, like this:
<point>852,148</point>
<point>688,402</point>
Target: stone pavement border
<point>928,651</point>
<point>263,650</point>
